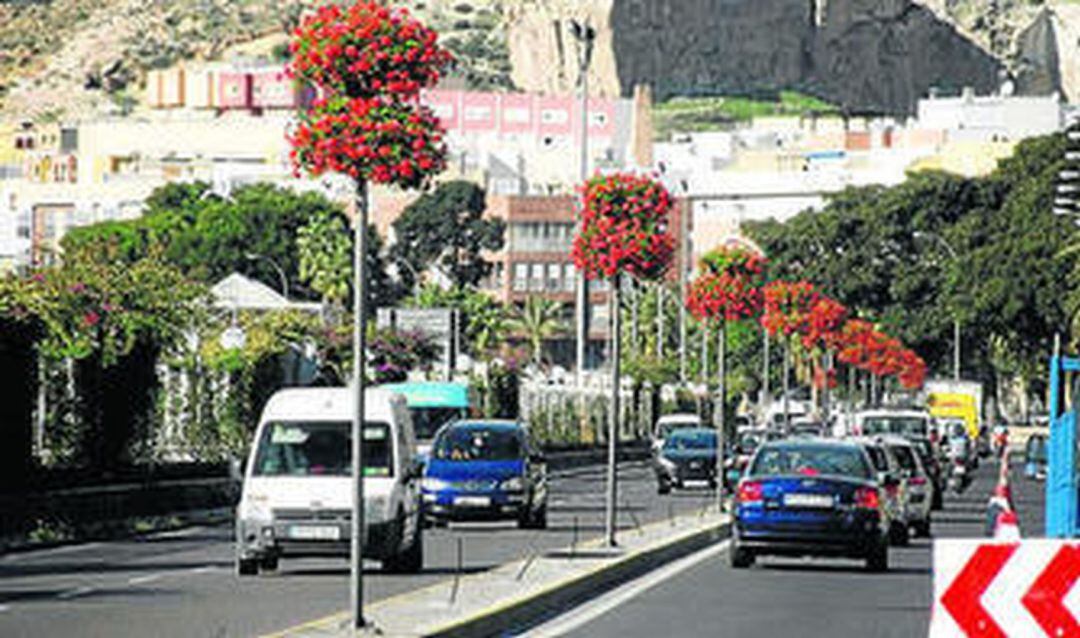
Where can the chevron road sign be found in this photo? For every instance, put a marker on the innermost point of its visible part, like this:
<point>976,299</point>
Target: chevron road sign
<point>1004,589</point>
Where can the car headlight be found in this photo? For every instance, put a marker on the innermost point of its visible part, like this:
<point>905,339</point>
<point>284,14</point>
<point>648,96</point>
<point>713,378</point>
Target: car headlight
<point>430,484</point>
<point>255,507</point>
<point>514,484</point>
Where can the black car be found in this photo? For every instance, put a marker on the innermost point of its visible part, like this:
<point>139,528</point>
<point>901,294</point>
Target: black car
<point>688,455</point>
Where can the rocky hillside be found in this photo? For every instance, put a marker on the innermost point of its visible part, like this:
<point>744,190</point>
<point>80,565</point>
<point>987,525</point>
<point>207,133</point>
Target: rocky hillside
<point>72,57</point>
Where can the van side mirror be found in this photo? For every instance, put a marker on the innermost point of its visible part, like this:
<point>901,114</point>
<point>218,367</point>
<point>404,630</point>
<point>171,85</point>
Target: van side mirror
<point>415,470</point>
<point>888,479</point>
<point>236,469</point>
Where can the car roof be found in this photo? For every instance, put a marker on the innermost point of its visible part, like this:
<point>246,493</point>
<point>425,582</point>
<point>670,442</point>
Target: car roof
<point>820,441</point>
<point>685,431</point>
<point>328,404</point>
<point>680,417</point>
<point>490,424</point>
<point>424,394</point>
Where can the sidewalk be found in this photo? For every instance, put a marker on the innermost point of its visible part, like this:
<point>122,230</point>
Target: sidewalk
<point>525,591</point>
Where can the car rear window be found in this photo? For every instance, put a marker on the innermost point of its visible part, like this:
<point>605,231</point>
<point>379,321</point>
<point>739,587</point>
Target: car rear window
<point>904,457</point>
<point>835,460</point>
<point>878,458</point>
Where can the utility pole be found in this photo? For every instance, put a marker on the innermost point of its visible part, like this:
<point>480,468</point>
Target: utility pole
<point>585,36</point>
<point>684,275</point>
<point>356,537</point>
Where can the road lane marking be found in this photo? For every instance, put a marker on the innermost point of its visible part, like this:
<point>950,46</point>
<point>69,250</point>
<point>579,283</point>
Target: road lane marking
<point>73,593</point>
<point>52,551</point>
<point>204,570</point>
<point>580,616</point>
<point>141,580</point>
<point>4,608</point>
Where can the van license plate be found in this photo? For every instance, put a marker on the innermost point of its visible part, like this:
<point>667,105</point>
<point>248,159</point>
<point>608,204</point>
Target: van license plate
<point>473,501</point>
<point>808,500</point>
<point>312,533</point>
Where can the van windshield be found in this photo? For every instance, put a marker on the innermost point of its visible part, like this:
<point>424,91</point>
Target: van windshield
<point>321,448</point>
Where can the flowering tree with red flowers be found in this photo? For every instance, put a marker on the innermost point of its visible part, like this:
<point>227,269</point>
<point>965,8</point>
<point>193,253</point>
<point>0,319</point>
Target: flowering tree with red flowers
<point>624,228</point>
<point>786,311</point>
<point>367,63</point>
<point>623,231</point>
<point>728,289</point>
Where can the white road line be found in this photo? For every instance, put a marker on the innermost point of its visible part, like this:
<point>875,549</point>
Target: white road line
<point>204,570</point>
<point>4,608</point>
<point>142,580</point>
<point>53,551</point>
<point>592,610</point>
<point>72,593</point>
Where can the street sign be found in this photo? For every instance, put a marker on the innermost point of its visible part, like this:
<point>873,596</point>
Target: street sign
<point>438,324</point>
<point>1000,589</point>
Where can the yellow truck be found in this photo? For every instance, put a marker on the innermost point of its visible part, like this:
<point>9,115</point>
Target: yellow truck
<point>948,399</point>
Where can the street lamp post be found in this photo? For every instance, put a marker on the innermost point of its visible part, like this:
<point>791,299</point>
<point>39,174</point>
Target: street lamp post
<point>275,266</point>
<point>585,36</point>
<point>956,315</point>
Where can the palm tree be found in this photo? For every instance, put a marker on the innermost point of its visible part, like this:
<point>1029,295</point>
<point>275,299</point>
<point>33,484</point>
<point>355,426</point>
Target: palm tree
<point>538,320</point>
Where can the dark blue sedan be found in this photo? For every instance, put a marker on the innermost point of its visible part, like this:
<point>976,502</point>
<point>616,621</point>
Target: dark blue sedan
<point>810,497</point>
<point>485,470</point>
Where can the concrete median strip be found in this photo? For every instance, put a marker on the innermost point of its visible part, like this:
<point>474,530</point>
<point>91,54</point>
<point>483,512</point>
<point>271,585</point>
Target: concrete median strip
<point>524,592</point>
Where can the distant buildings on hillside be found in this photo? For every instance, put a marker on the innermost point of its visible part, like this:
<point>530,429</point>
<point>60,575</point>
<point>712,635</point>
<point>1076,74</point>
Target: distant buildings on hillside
<point>226,124</point>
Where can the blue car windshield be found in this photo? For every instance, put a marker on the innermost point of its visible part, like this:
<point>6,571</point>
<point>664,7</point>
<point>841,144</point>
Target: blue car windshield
<point>465,443</point>
<point>810,460</point>
<point>683,440</point>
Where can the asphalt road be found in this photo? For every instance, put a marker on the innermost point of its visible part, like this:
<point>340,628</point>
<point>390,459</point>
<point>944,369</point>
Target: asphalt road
<point>811,597</point>
<point>183,584</point>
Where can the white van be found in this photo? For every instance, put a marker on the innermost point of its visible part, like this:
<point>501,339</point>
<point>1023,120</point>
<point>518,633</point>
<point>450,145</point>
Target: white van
<point>296,498</point>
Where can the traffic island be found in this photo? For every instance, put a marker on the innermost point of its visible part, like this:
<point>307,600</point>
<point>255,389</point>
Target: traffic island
<point>526,592</point>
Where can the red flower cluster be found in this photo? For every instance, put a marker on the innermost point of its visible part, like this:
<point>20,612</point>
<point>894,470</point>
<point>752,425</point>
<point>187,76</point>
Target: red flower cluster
<point>368,63</point>
<point>366,50</point>
<point>729,286</point>
<point>624,228</point>
<point>370,139</point>
<point>863,347</point>
<point>787,307</point>
<point>823,326</point>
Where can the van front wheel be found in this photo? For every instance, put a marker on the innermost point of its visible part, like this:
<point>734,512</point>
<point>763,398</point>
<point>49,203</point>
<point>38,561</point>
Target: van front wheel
<point>410,560</point>
<point>247,567</point>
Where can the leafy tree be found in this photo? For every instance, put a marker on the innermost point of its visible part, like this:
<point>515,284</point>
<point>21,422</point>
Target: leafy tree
<point>485,320</point>
<point>446,229</point>
<point>1008,284</point>
<point>536,321</point>
<point>209,237</point>
<point>325,247</point>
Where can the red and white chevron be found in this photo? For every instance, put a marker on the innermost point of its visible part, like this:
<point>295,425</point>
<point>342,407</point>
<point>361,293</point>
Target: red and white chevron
<point>997,589</point>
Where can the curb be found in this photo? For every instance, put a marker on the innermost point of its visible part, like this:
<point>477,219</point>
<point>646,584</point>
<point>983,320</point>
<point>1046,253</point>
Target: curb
<point>520,613</point>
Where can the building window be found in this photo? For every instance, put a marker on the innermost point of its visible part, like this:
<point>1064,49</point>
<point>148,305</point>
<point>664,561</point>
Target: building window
<point>536,281</point>
<point>569,277</point>
<point>554,272</point>
<point>521,277</point>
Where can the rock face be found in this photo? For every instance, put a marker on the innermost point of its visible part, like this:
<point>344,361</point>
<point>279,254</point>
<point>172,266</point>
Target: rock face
<point>878,55</point>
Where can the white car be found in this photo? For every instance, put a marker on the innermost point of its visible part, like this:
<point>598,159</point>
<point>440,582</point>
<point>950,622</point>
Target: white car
<point>916,482</point>
<point>296,498</point>
<point>668,423</point>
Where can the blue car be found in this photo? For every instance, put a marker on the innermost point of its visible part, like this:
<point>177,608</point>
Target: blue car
<point>485,470</point>
<point>810,497</point>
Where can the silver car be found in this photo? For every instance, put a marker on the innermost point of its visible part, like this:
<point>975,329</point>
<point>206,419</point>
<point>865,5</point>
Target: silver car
<point>917,487</point>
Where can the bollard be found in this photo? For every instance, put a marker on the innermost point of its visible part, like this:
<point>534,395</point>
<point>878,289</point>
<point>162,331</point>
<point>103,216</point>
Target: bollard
<point>573,542</point>
<point>633,517</point>
<point>671,513</point>
<point>457,573</point>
